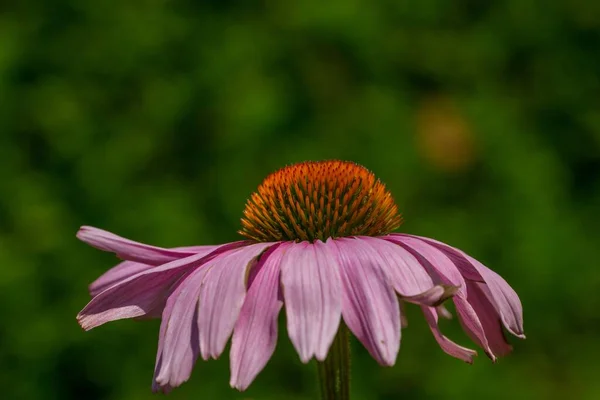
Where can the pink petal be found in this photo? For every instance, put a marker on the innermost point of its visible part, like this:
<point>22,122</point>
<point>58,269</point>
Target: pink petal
<point>119,273</point>
<point>221,297</point>
<point>126,269</point>
<point>178,343</point>
<point>143,293</point>
<point>438,263</point>
<point>490,320</point>
<point>404,271</point>
<point>472,325</point>
<point>434,296</point>
<point>201,249</point>
<point>136,295</point>
<point>128,249</point>
<point>446,344</point>
<point>369,304</point>
<point>503,297</point>
<point>156,387</point>
<point>311,289</point>
<point>255,333</point>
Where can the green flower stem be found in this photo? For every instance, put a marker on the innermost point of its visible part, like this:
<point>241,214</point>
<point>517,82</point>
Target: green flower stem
<point>334,372</point>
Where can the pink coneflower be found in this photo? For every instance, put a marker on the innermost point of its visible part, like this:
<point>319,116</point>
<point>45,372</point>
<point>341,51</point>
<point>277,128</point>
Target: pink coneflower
<point>319,243</point>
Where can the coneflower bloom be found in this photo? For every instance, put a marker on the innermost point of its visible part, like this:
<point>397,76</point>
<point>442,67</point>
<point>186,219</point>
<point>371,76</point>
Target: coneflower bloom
<point>319,243</point>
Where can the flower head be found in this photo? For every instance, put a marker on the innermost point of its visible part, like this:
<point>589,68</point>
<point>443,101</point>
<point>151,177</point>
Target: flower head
<point>320,246</point>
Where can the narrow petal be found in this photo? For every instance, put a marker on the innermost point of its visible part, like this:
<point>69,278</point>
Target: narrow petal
<point>311,289</point>
<point>136,295</point>
<point>127,269</point>
<point>437,263</point>
<point>469,320</point>
<point>119,273</point>
<point>255,333</point>
<point>156,387</point>
<point>403,269</point>
<point>142,293</point>
<point>503,297</point>
<point>178,343</point>
<point>434,296</point>
<point>221,297</point>
<point>446,344</point>
<point>490,320</point>
<point>369,304</point>
<point>128,249</point>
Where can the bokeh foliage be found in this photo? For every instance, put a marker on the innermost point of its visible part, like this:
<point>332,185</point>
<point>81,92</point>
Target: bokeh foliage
<point>156,119</point>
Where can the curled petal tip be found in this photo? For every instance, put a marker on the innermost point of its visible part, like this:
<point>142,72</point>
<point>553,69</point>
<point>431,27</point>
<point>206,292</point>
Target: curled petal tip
<point>83,322</point>
<point>433,297</point>
<point>238,386</point>
<point>449,291</point>
<point>443,312</point>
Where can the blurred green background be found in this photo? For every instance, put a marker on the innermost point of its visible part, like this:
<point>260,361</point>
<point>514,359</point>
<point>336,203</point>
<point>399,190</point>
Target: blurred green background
<point>156,119</point>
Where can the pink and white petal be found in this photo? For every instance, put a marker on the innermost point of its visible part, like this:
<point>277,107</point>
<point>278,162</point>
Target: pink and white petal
<point>446,344</point>
<point>255,333</point>
<point>137,295</point>
<point>311,288</point>
<point>178,344</point>
<point>156,387</point>
<point>128,269</point>
<point>469,320</point>
<point>404,271</point>
<point>369,303</point>
<point>221,297</point>
<point>128,249</point>
<point>490,320</point>
<point>119,273</point>
<point>434,296</point>
<point>204,249</point>
<point>502,296</point>
<point>437,262</point>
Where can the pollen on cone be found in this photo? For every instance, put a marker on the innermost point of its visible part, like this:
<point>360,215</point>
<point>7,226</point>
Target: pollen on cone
<point>318,200</point>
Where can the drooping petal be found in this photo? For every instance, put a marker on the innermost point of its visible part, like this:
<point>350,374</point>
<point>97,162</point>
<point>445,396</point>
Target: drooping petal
<point>126,269</point>
<point>406,274</point>
<point>369,304</point>
<point>255,332</point>
<point>128,249</point>
<point>178,343</point>
<point>142,293</point>
<point>202,249</point>
<point>471,324</point>
<point>490,320</point>
<point>434,296</point>
<point>437,263</point>
<point>503,297</point>
<point>156,387</point>
<point>221,297</point>
<point>446,344</point>
<point>136,295</point>
<point>119,273</point>
<point>311,288</point>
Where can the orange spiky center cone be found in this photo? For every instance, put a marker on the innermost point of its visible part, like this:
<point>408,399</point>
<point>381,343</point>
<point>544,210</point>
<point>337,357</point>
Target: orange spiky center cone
<point>319,200</point>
